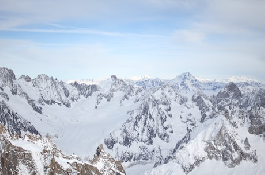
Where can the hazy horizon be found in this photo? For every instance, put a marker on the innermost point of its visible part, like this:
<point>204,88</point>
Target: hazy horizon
<point>91,40</point>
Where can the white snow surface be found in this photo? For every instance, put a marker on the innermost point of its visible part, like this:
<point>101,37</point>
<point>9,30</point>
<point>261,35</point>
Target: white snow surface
<point>35,152</point>
<point>82,127</point>
<point>209,167</point>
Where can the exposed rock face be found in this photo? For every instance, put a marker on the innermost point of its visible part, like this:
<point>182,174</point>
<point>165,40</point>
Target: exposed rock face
<point>37,155</point>
<point>14,156</point>
<point>4,96</point>
<point>161,119</point>
<point>121,85</point>
<point>35,105</point>
<point>150,83</point>
<point>114,77</point>
<point>256,114</point>
<point>118,85</point>
<point>49,90</point>
<point>74,168</point>
<point>231,95</point>
<point>7,78</point>
<point>260,97</point>
<point>26,78</point>
<point>225,147</point>
<point>14,122</point>
<point>206,111</point>
<point>106,164</point>
<point>257,124</point>
<point>84,89</point>
<point>234,91</point>
<point>52,91</point>
<point>151,122</point>
<point>147,123</point>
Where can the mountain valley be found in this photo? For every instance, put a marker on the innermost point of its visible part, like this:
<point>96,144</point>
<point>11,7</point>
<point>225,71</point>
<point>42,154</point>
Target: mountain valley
<point>184,125</point>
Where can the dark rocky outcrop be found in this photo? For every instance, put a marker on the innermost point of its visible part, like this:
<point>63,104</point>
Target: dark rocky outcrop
<point>84,89</point>
<point>231,95</point>
<point>110,165</point>
<point>7,78</point>
<point>17,160</point>
<point>225,148</point>
<point>4,96</point>
<point>14,122</point>
<point>25,77</point>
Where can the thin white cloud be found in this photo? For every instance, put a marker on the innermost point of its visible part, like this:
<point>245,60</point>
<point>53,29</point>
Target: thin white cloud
<point>57,25</point>
<point>243,13</point>
<point>50,11</point>
<point>82,31</point>
<point>209,35</point>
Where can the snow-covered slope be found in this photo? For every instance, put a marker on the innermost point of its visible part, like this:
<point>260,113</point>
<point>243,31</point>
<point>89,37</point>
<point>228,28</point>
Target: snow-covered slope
<point>185,122</point>
<point>39,155</point>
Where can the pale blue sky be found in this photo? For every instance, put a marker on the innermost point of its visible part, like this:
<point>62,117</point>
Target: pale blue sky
<point>162,38</point>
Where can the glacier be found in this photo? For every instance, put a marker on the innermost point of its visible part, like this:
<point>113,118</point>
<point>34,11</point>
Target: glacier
<point>152,126</point>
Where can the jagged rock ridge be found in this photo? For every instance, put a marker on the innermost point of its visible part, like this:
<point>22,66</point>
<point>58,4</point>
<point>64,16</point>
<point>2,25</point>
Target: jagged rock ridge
<point>36,155</point>
<point>159,120</point>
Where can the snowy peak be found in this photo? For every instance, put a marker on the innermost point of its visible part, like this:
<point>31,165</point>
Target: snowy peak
<point>232,89</point>
<point>6,73</point>
<point>105,163</point>
<point>148,121</point>
<point>86,81</point>
<point>7,77</point>
<point>137,78</point>
<point>186,82</point>
<point>39,155</point>
<point>113,78</point>
<point>25,77</point>
<point>118,84</point>
<point>185,76</point>
<point>54,91</point>
<point>150,83</point>
<point>16,124</point>
<point>85,89</point>
<point>240,79</point>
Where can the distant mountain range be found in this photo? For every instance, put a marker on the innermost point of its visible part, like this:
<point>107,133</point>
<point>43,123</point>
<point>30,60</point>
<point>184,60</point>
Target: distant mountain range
<point>142,125</point>
<point>235,79</point>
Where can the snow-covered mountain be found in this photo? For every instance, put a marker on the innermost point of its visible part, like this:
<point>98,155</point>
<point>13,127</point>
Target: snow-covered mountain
<point>86,81</point>
<point>152,126</point>
<point>33,154</point>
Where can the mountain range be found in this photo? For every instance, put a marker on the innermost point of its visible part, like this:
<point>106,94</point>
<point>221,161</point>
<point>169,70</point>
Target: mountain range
<point>184,125</point>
